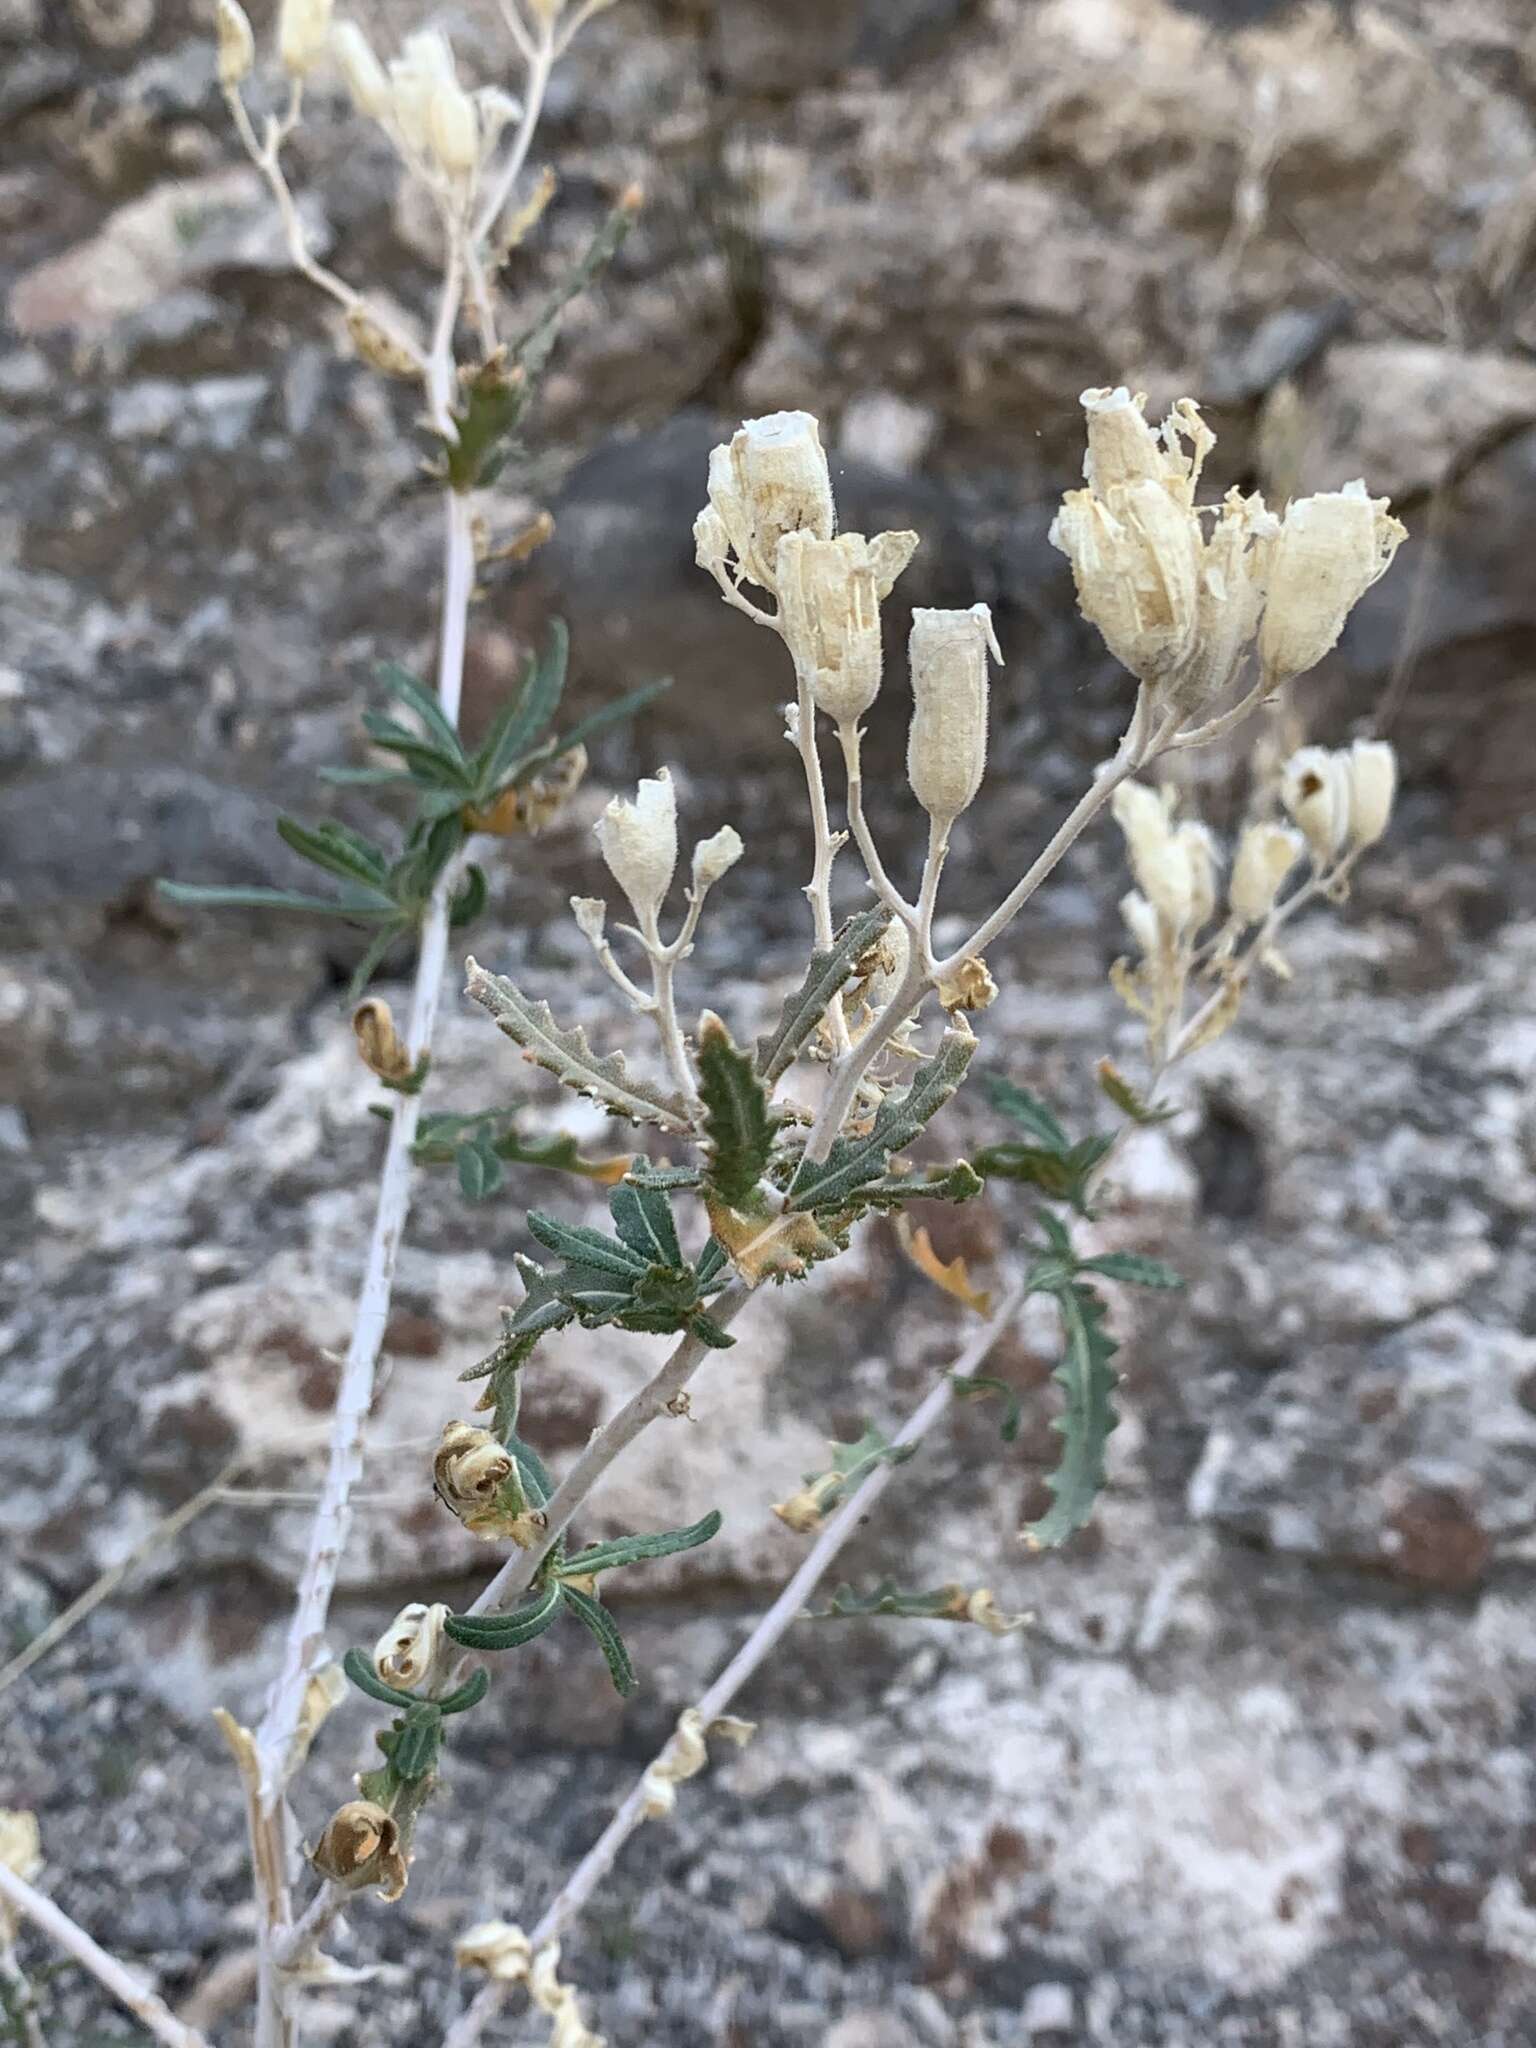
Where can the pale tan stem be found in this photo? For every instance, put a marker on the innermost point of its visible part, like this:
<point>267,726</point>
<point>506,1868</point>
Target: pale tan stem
<point>145,2005</point>
<point>576,1892</point>
<point>852,740</point>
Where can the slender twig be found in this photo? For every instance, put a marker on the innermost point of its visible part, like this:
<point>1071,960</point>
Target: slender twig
<point>145,2005</point>
<point>578,1888</point>
<point>616,1435</point>
<point>540,58</point>
<point>22,1999</point>
<point>852,740</point>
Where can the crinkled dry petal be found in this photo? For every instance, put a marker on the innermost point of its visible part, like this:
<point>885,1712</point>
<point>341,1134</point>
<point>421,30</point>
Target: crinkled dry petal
<point>1372,769</point>
<point>1331,549</point>
<point>1315,791</point>
<point>1266,854</point>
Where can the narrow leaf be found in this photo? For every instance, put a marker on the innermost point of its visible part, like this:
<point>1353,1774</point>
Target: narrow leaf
<point>826,977</point>
<point>610,714</point>
<point>469,1694</point>
<point>516,732</point>
<point>568,1056</point>
<point>609,1641</point>
<point>399,682</point>
<point>1128,1099</point>
<point>216,896</point>
<point>643,1218</point>
<point>507,1631</point>
<point>738,1127</point>
<point>902,1116</point>
<point>589,1247</point>
<point>343,854</point>
<point>980,1387</point>
<point>1134,1269</point>
<point>1027,1110</point>
<point>603,1557</point>
<point>1087,1380</point>
<point>358,1666</point>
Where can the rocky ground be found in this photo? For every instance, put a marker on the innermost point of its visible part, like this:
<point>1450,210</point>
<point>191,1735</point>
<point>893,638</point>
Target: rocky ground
<point>1260,1772</point>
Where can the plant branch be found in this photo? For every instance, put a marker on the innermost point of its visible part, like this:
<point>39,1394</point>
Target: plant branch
<point>584,1880</point>
<point>145,2005</point>
<point>605,1445</point>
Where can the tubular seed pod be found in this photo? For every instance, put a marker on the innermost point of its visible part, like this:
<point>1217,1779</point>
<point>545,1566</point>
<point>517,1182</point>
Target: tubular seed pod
<point>1330,550</point>
<point>639,842</point>
<point>303,30</point>
<point>361,71</point>
<point>1266,853</point>
<point>947,743</point>
<point>237,45</point>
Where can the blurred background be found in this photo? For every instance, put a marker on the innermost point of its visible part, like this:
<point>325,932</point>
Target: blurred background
<point>1261,1772</point>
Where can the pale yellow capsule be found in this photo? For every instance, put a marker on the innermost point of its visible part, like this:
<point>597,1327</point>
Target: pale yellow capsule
<point>947,744</point>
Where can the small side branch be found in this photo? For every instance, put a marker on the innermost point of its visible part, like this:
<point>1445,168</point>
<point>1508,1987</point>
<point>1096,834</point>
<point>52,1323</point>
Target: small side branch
<point>115,1977</point>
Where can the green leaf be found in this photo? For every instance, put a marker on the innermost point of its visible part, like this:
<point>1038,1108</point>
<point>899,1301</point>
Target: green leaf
<point>597,1297</point>
<point>344,854</point>
<point>417,1740</point>
<point>709,1332</point>
<point>610,714</point>
<point>399,682</point>
<point>493,399</point>
<point>853,1162</point>
<point>1064,1175</point>
<point>469,899</point>
<point>712,1264</point>
<point>606,1557</point>
<point>479,1171</point>
<point>469,1694</point>
<point>957,1183</point>
<point>531,348</point>
<point>373,959</point>
<point>1134,1269</point>
<point>358,1666</point>
<point>943,1603</point>
<point>1087,1380</point>
<point>828,974</point>
<point>609,1641</point>
<point>643,1218</point>
<point>587,1247</point>
<point>363,778</point>
<point>1027,1110</point>
<point>524,721</point>
<point>1128,1099</point>
<point>507,1631</point>
<point>981,1387</point>
<point>642,1174</point>
<point>535,1473</point>
<point>217,896</point>
<point>739,1129</point>
<point>568,1056</point>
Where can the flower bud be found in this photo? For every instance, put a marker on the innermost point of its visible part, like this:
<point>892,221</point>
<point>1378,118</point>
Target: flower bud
<point>454,129</point>
<point>410,102</point>
<point>237,45</point>
<point>412,1649</point>
<point>361,71</point>
<point>303,29</point>
<point>947,744</point>
<point>639,843</point>
<point>1140,921</point>
<point>1372,770</point>
<point>830,593</point>
<point>591,914</point>
<point>771,479</point>
<point>360,1847</point>
<point>1331,549</point>
<point>715,856</point>
<point>1315,790</point>
<point>1266,853</point>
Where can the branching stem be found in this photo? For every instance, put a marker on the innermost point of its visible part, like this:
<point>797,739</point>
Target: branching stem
<point>146,2006</point>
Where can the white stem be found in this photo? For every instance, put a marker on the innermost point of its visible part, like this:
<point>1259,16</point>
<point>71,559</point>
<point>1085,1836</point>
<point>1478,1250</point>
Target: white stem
<point>541,58</point>
<point>928,894</point>
<point>146,2007</point>
<point>304,1649</point>
<point>578,1888</point>
<point>819,889</point>
<point>852,740</point>
<point>663,1006</point>
<point>22,1998</point>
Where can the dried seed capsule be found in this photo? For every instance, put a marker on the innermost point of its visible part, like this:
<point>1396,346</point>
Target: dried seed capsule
<point>303,29</point>
<point>1136,564</point>
<point>411,1650</point>
<point>384,1052</point>
<point>1372,770</point>
<point>947,743</point>
<point>1161,859</point>
<point>771,479</point>
<point>360,1847</point>
<point>362,73</point>
<point>237,45</point>
<point>1204,857</point>
<point>1266,853</point>
<point>639,843</point>
<point>454,128</point>
<point>1330,550</point>
<point>377,347</point>
<point>1315,790</point>
<point>716,856</point>
<point>473,1472</point>
<point>830,593</point>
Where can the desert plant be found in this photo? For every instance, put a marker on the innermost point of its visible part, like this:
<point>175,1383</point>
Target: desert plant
<point>760,1161</point>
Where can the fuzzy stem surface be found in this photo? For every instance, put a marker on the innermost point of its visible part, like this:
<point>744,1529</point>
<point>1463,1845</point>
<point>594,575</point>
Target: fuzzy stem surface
<point>147,2006</point>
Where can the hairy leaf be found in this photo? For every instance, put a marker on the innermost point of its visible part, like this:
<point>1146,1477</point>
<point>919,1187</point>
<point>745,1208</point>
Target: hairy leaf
<point>521,726</point>
<point>828,974</point>
<point>507,1631</point>
<point>1064,1175</point>
<point>957,1183</point>
<point>1087,1380</point>
<point>494,397</point>
<point>604,1557</point>
<point>358,1666</point>
<point>853,1162</point>
<point>1133,1269</point>
<point>568,1056</point>
<point>943,1603</point>
<point>739,1129</point>
<point>1022,1107</point>
<point>469,1694</point>
<point>587,1247</point>
<point>399,682</point>
<point>642,1215</point>
<point>609,1641</point>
